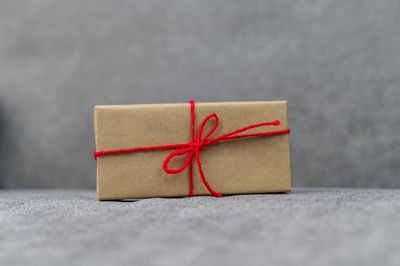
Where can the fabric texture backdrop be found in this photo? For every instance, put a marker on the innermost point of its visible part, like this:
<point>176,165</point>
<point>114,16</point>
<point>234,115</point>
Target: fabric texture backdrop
<point>337,63</point>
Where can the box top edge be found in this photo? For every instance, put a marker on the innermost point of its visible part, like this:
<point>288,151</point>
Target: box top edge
<point>117,106</point>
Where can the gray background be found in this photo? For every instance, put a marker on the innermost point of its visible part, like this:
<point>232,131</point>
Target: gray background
<point>336,62</point>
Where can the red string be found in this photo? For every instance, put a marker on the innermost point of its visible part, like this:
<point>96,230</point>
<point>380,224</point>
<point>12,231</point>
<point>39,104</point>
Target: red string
<point>192,148</point>
<point>192,115</point>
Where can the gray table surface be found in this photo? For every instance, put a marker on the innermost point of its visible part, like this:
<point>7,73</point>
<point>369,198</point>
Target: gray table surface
<point>305,227</point>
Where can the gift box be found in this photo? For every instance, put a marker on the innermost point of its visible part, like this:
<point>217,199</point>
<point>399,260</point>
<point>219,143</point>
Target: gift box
<point>186,149</point>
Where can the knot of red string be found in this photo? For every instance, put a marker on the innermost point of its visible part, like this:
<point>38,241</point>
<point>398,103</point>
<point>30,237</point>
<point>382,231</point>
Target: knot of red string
<point>192,148</point>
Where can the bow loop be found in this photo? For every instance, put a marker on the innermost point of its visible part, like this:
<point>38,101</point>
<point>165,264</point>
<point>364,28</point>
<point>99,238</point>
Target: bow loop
<point>189,150</point>
<point>201,140</point>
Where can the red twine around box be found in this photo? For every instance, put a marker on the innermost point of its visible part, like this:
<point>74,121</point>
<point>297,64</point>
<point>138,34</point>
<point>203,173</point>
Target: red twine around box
<point>192,148</point>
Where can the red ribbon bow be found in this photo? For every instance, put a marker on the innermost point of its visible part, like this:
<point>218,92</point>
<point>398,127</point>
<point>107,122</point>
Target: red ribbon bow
<point>192,148</point>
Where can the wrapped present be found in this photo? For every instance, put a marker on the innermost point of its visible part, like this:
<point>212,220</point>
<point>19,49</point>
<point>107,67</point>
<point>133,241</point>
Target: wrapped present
<point>186,149</point>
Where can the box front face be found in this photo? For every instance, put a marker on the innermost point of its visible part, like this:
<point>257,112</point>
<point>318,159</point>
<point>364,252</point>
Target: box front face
<point>251,165</point>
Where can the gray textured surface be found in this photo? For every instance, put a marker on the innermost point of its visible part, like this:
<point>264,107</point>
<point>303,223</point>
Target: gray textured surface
<point>306,227</point>
<point>336,62</point>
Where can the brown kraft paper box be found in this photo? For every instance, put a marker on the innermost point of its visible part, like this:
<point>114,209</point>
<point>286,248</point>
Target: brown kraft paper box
<point>248,165</point>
